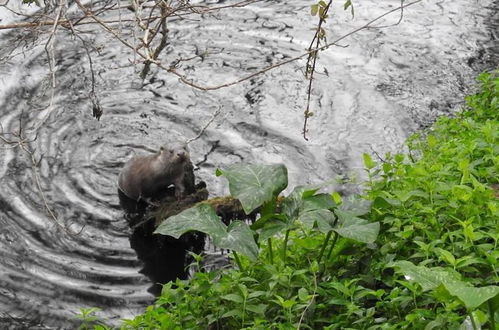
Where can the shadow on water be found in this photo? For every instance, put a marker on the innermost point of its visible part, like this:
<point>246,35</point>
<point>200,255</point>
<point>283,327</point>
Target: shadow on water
<point>164,258</point>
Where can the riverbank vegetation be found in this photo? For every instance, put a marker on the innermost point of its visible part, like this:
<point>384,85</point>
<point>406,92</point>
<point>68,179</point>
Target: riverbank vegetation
<point>418,250</point>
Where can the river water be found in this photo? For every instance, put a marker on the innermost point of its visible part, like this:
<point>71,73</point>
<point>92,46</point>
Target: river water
<point>368,96</point>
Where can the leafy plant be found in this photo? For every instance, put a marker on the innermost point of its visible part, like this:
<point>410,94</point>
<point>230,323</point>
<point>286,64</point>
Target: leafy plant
<point>418,250</point>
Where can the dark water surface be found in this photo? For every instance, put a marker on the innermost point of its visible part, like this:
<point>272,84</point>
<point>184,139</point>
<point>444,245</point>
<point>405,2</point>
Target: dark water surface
<point>369,96</point>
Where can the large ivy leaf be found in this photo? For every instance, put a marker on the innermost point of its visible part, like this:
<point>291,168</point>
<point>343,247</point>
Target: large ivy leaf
<point>271,228</point>
<point>428,278</point>
<point>355,228</point>
<point>292,203</point>
<point>322,219</point>
<point>356,205</point>
<point>471,297</point>
<point>254,185</point>
<point>201,217</point>
<point>317,202</point>
<point>303,199</point>
<point>239,238</point>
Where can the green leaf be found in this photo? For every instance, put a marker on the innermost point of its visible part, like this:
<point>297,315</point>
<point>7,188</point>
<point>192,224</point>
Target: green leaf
<point>336,197</point>
<point>292,203</point>
<point>271,228</point>
<point>362,233</point>
<point>231,313</point>
<point>470,296</point>
<point>303,294</point>
<point>317,202</point>
<point>201,218</point>
<point>233,297</point>
<point>314,9</point>
<point>347,4</point>
<point>427,278</point>
<point>446,256</point>
<point>262,221</point>
<point>356,228</point>
<point>254,185</point>
<point>323,220</point>
<point>381,202</point>
<point>256,294</point>
<point>432,141</point>
<point>368,162</point>
<point>322,12</point>
<point>356,205</point>
<point>239,238</point>
<point>258,309</point>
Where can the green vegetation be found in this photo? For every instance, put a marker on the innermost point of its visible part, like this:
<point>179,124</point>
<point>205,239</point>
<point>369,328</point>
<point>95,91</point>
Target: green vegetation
<point>417,251</point>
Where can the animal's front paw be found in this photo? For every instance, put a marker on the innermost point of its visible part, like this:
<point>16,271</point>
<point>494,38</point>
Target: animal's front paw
<point>151,202</point>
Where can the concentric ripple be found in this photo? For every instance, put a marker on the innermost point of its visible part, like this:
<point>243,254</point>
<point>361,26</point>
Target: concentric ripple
<point>64,243</point>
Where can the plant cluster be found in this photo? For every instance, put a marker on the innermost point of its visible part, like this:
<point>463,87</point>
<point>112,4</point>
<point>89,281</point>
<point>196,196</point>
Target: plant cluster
<point>417,251</point>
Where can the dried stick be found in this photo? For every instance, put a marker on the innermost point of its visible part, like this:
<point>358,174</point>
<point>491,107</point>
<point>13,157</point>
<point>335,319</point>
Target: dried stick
<point>310,68</point>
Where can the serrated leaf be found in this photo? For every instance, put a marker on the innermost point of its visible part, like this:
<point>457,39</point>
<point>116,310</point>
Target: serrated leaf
<point>385,203</point>
<point>446,255</point>
<point>233,297</point>
<point>231,313</point>
<point>258,309</point>
<point>201,217</point>
<point>255,294</point>
<point>254,185</point>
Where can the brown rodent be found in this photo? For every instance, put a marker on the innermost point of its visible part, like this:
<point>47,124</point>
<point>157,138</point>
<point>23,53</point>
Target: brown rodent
<point>143,177</point>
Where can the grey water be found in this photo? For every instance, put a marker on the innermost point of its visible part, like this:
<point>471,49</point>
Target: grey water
<point>370,94</point>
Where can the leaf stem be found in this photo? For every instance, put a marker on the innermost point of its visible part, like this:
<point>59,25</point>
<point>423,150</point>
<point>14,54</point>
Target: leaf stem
<point>335,239</point>
<point>271,253</point>
<point>323,248</point>
<point>473,323</point>
<point>491,314</point>
<point>285,245</point>
<point>238,261</point>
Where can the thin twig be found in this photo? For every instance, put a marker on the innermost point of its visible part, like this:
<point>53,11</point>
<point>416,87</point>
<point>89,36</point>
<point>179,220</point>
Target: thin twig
<point>208,123</point>
<point>185,80</point>
<point>310,69</point>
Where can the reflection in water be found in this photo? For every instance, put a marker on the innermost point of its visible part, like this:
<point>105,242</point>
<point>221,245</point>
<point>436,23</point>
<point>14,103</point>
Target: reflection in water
<point>369,96</point>
<point>164,258</point>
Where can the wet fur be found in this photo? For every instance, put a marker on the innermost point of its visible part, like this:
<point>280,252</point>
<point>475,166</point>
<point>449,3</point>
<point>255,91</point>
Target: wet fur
<point>143,177</point>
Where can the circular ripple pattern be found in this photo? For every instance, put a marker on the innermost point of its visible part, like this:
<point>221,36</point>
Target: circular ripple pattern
<point>368,95</point>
